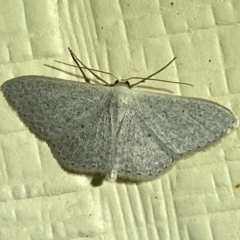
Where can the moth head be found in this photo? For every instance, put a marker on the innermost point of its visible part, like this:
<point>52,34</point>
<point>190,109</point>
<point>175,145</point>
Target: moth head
<point>121,82</point>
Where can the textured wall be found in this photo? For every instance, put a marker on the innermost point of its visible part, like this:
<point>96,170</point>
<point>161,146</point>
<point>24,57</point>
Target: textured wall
<point>200,197</point>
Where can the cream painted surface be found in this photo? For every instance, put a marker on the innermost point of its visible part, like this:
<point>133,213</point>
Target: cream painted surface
<point>199,198</point>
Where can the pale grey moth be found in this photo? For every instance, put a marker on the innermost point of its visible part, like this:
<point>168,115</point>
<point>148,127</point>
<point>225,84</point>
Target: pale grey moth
<point>114,130</point>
